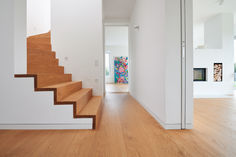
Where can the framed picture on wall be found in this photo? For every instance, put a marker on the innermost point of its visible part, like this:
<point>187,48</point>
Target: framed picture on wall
<point>218,72</point>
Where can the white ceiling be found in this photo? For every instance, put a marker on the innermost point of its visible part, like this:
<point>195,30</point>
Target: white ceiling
<point>204,9</point>
<point>118,9</point>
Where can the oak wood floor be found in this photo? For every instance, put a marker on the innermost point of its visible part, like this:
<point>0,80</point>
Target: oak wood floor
<point>116,88</point>
<point>127,130</point>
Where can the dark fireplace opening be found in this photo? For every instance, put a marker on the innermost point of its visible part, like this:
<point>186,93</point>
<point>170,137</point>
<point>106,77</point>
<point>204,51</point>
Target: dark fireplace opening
<point>200,74</point>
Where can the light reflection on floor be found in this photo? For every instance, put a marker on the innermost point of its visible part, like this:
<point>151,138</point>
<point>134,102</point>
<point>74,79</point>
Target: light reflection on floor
<point>116,88</point>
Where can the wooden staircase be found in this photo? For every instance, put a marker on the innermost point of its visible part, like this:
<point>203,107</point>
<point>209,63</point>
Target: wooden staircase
<point>43,66</point>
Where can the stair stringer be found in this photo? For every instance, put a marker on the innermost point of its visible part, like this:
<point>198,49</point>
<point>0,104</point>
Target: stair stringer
<point>22,108</point>
<point>56,102</point>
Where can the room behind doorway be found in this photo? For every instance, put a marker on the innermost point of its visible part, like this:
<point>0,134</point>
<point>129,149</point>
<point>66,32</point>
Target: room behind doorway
<point>116,58</point>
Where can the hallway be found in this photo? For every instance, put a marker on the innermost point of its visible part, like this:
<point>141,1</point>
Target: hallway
<point>117,88</point>
<point>127,130</point>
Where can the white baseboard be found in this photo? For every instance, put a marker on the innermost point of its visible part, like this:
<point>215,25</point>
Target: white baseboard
<point>166,126</point>
<point>163,124</point>
<point>172,126</point>
<point>154,116</point>
<point>61,126</point>
<point>189,126</point>
<point>213,96</point>
<point>177,126</point>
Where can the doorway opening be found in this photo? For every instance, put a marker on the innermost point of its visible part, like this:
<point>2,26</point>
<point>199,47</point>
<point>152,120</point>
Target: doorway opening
<point>214,28</point>
<point>116,59</point>
<point>214,48</point>
<point>235,59</point>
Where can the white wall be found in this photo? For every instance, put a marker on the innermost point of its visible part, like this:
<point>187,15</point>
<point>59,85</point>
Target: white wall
<point>38,16</point>
<point>116,36</point>
<point>189,65</point>
<point>38,21</point>
<point>205,58</point>
<point>21,107</point>
<point>148,56</point>
<point>77,38</point>
<point>156,60</point>
<point>235,24</point>
<point>213,35</point>
<point>20,53</point>
<point>116,44</point>
<point>173,65</point>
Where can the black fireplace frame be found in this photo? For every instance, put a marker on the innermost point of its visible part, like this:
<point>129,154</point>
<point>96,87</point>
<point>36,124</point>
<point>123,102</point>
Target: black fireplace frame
<point>204,73</point>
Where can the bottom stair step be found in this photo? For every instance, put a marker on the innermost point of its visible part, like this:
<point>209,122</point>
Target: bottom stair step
<point>92,109</point>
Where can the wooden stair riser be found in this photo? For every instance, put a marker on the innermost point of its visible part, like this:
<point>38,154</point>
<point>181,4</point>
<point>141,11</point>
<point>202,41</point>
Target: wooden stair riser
<point>92,109</point>
<point>39,52</point>
<point>39,40</point>
<point>83,100</point>
<point>47,80</point>
<point>52,62</point>
<point>98,115</point>
<point>40,69</point>
<point>42,57</point>
<point>45,35</point>
<point>39,46</point>
<point>65,91</point>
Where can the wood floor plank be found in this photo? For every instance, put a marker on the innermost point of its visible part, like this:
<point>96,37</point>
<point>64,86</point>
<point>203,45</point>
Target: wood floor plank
<point>127,130</point>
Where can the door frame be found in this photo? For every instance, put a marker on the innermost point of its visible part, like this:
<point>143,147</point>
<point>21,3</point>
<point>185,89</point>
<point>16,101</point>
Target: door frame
<point>183,62</point>
<point>186,23</point>
<point>115,24</point>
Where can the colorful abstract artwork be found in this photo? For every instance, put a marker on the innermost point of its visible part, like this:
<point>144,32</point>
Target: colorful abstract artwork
<point>218,72</point>
<point>121,70</point>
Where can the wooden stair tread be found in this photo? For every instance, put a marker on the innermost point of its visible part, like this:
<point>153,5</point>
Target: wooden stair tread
<point>62,84</point>
<point>36,43</point>
<point>53,74</point>
<point>64,89</point>
<point>44,35</point>
<point>42,54</point>
<point>50,66</point>
<point>39,37</point>
<point>92,108</point>
<point>39,50</point>
<point>77,95</point>
<point>47,66</point>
